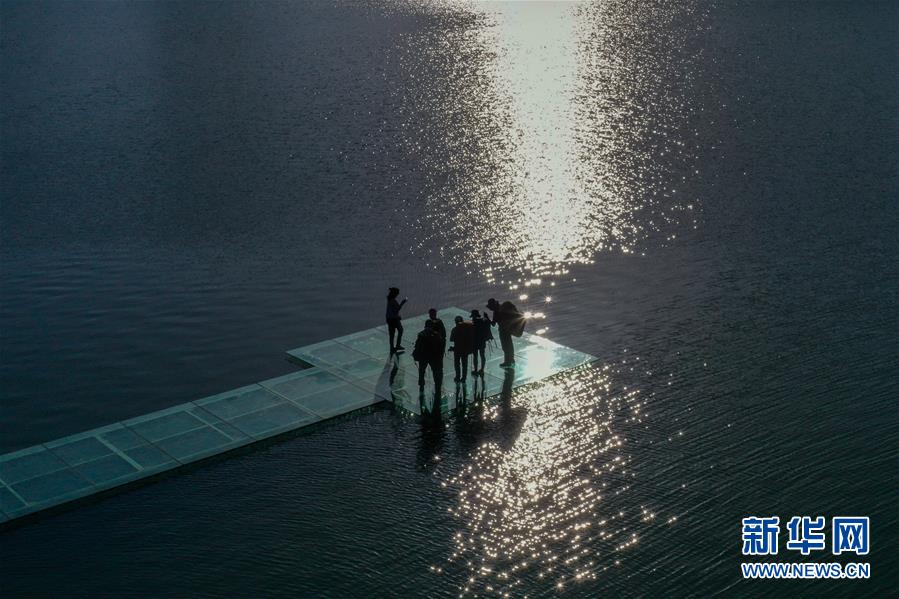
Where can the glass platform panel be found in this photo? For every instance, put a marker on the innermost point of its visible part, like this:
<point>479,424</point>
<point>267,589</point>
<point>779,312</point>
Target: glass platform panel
<point>231,404</point>
<point>119,437</point>
<point>106,469</point>
<point>347,373</point>
<point>300,384</point>
<point>163,424</point>
<point>52,488</point>
<point>150,458</point>
<point>28,463</point>
<point>82,448</point>
<point>110,455</point>
<point>330,353</point>
<point>537,363</point>
<point>256,411</point>
<point>274,420</point>
<point>387,384</point>
<point>339,400</point>
<point>187,432</point>
<point>134,449</point>
<point>198,443</point>
<point>9,501</point>
<point>366,368</point>
<point>372,342</point>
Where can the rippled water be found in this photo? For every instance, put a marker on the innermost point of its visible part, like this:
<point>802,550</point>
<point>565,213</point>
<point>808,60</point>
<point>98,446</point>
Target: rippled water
<point>575,120</point>
<point>700,194</point>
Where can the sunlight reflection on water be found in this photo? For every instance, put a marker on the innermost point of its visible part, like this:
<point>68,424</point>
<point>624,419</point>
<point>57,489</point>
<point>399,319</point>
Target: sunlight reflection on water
<point>563,127</point>
<point>227,183</point>
<point>560,133</point>
<point>535,503</point>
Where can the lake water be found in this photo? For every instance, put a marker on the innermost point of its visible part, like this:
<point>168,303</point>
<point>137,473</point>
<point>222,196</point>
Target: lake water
<point>703,195</point>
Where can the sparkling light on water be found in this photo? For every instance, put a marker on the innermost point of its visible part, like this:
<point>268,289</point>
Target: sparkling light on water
<point>538,504</point>
<point>560,131</point>
<point>557,129</point>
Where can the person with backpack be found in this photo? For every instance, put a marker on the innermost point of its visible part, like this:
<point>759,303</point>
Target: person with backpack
<point>394,321</point>
<point>462,338</point>
<point>428,351</point>
<point>509,321</point>
<point>482,335</point>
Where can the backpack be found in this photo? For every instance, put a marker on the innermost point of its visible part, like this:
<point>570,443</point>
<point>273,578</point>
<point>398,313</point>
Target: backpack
<point>463,337</point>
<point>418,350</point>
<point>513,320</point>
<point>482,330</point>
<point>428,345</point>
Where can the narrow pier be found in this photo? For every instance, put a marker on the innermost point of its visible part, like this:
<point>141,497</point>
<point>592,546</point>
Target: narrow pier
<point>339,376</point>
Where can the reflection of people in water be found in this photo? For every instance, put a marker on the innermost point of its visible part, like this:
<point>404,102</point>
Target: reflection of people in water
<point>506,393</point>
<point>461,397</point>
<point>473,429</point>
<point>394,320</point>
<point>479,391</point>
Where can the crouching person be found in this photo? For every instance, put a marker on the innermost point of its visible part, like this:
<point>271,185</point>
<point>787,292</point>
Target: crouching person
<point>511,323</point>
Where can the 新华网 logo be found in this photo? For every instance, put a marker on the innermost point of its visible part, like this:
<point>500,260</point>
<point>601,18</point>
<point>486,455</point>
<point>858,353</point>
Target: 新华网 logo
<point>806,535</point>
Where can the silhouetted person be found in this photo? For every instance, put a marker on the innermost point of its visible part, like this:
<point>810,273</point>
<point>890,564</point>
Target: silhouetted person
<point>462,337</point>
<point>429,352</point>
<point>394,321</point>
<point>509,321</point>
<point>438,325</point>
<point>482,335</point>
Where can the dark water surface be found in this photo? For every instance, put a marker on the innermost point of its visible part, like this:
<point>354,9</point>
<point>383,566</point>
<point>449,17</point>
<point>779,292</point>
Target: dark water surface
<point>703,195</point>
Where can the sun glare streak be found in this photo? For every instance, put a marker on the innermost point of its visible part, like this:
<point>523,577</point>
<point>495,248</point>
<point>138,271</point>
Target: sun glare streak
<point>555,133</point>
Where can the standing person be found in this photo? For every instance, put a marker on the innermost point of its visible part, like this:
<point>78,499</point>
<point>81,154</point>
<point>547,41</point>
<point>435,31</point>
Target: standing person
<point>482,335</point>
<point>428,351</point>
<point>462,337</point>
<point>394,320</point>
<point>438,324</point>
<point>510,322</point>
